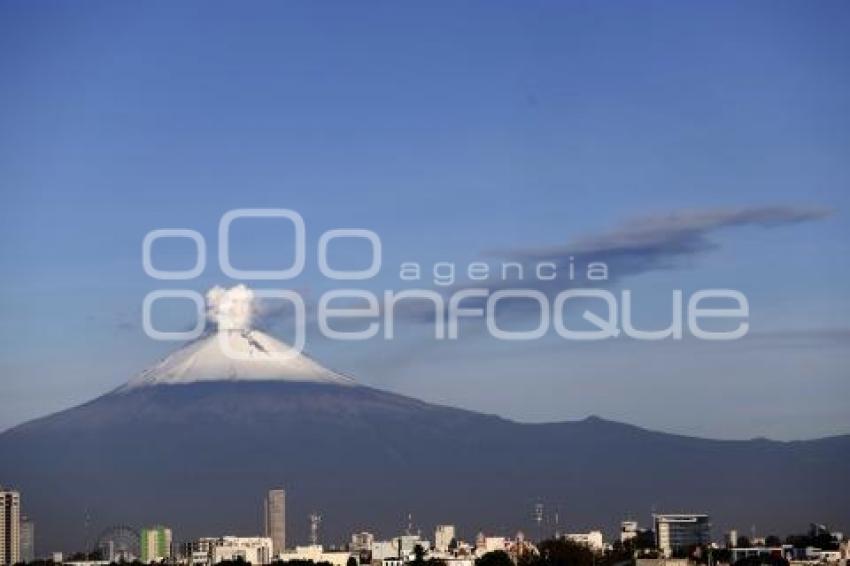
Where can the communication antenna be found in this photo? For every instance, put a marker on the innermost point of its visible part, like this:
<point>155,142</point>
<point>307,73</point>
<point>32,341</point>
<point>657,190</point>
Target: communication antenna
<point>87,527</point>
<point>315,519</point>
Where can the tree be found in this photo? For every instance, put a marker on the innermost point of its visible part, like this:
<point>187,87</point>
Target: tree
<point>766,560</point>
<point>495,558</point>
<point>645,540</point>
<point>419,558</point>
<point>351,561</point>
<point>300,562</point>
<point>772,540</point>
<point>824,541</point>
<point>558,552</point>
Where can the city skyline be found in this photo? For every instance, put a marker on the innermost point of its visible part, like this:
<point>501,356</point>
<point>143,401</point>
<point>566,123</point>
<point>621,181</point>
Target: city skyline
<point>673,534</point>
<point>244,424</point>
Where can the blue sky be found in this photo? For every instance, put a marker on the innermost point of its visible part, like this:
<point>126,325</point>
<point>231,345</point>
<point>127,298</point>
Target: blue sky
<point>451,129</point>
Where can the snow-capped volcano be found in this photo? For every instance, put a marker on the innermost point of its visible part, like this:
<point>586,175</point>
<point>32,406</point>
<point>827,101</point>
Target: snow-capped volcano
<point>236,355</point>
<point>198,438</point>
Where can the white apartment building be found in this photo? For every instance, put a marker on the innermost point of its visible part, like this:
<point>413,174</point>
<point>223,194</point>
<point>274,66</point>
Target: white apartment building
<point>592,540</point>
<point>10,527</point>
<point>361,542</point>
<point>485,544</point>
<point>256,550</point>
<point>401,547</point>
<point>384,550</point>
<point>628,530</point>
<point>406,544</point>
<point>443,537</point>
<point>316,553</point>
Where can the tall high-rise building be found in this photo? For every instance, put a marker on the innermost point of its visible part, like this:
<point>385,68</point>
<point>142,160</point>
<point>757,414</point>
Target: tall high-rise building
<point>275,519</point>
<point>27,540</point>
<point>10,527</point>
<point>154,544</point>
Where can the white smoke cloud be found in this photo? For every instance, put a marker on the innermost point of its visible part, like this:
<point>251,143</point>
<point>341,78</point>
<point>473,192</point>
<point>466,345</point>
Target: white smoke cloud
<point>231,309</point>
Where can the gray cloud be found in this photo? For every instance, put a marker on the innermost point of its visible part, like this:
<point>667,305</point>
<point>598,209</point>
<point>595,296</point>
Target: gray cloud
<point>639,245</point>
<point>659,242</point>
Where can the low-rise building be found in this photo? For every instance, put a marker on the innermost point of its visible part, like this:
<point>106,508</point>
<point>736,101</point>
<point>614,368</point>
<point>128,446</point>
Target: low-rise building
<point>256,550</point>
<point>663,562</point>
<point>737,553</point>
<point>443,537</point>
<point>485,544</point>
<point>628,531</point>
<point>406,545</point>
<point>519,548</point>
<point>592,540</point>
<point>516,547</point>
<point>383,550</point>
<point>361,542</point>
<point>316,553</point>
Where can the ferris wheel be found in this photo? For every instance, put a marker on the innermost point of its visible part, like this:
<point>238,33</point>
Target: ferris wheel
<point>119,543</point>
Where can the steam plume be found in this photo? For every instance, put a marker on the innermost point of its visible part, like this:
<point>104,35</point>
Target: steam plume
<point>230,309</point>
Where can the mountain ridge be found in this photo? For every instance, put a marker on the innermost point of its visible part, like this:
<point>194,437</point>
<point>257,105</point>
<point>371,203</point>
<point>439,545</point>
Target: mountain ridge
<point>195,441</point>
<point>199,456</point>
<point>593,418</point>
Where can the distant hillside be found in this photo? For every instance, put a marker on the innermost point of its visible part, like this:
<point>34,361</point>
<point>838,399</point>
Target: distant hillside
<point>199,456</point>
